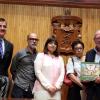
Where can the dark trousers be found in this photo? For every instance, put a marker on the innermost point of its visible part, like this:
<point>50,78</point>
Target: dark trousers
<point>93,91</point>
<point>74,93</point>
<point>18,92</point>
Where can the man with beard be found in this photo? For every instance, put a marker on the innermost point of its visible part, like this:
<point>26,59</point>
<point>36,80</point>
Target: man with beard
<point>6,50</point>
<point>22,69</point>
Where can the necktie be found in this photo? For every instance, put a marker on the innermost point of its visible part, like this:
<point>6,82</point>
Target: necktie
<point>1,49</point>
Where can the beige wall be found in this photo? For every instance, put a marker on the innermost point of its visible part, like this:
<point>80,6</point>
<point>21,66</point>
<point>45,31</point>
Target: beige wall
<point>23,19</point>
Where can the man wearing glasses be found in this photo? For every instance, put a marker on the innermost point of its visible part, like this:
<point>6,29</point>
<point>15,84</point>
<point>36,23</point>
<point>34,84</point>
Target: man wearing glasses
<point>93,55</point>
<point>22,69</point>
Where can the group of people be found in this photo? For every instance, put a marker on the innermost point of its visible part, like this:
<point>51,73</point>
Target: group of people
<point>40,75</point>
<point>73,66</point>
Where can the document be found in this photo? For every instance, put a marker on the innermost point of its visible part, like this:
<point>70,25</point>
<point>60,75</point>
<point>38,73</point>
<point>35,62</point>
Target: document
<point>89,71</point>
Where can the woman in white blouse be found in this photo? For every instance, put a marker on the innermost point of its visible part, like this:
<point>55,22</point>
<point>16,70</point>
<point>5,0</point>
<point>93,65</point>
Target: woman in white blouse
<point>49,69</point>
<point>73,70</point>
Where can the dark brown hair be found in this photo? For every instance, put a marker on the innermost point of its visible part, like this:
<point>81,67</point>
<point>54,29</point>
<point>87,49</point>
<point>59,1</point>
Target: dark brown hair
<point>74,43</point>
<point>2,19</point>
<point>49,40</point>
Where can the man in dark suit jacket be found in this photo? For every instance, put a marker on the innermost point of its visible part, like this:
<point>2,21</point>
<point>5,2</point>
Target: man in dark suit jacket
<point>93,55</point>
<point>6,51</point>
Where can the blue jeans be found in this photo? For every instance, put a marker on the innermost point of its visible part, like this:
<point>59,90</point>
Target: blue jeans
<point>18,92</point>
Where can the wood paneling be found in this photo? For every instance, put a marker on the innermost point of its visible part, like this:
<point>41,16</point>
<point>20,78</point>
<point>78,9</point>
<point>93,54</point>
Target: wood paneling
<point>68,3</point>
<point>23,19</point>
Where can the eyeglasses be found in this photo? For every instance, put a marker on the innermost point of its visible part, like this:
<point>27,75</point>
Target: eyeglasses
<point>33,39</point>
<point>78,48</point>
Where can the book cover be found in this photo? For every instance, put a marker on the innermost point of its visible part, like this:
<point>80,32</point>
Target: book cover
<point>89,71</point>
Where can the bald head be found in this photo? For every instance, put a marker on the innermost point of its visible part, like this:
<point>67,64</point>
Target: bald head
<point>97,34</point>
<point>97,39</point>
<point>32,40</point>
<point>32,35</point>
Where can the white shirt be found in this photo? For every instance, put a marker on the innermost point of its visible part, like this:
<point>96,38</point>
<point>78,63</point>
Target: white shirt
<point>49,71</point>
<point>77,65</point>
<point>3,46</point>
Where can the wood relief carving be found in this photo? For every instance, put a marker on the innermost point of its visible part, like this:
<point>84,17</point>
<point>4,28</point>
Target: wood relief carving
<point>67,29</point>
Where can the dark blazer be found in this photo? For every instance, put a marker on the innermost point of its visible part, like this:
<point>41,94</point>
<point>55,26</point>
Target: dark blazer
<point>90,56</point>
<point>5,62</point>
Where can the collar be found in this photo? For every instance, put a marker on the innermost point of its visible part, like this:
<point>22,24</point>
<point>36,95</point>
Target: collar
<point>29,51</point>
<point>1,39</point>
<point>96,51</point>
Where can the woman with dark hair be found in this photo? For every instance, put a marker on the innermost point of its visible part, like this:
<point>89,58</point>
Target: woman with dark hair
<point>49,69</point>
<point>73,67</point>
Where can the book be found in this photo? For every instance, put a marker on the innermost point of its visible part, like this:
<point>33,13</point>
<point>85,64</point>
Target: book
<point>89,71</point>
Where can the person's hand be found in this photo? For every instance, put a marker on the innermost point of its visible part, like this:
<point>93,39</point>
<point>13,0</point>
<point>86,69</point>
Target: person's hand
<point>55,88</point>
<point>97,80</point>
<point>52,90</point>
<point>81,86</point>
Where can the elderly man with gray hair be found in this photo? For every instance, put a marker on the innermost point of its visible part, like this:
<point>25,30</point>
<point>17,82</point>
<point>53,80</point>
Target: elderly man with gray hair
<point>93,87</point>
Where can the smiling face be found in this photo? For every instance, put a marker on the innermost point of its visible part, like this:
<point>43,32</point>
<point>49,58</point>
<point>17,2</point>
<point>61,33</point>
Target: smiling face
<point>52,47</point>
<point>78,50</point>
<point>3,27</point>
<point>32,40</point>
<point>97,39</point>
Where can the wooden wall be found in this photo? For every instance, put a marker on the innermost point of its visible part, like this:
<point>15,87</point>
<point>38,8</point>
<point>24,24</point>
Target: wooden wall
<point>23,19</point>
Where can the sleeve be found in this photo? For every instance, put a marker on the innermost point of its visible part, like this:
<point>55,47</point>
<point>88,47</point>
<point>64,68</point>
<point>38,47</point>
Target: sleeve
<point>14,66</point>
<point>61,77</point>
<point>8,54</point>
<point>69,66</point>
<point>38,64</point>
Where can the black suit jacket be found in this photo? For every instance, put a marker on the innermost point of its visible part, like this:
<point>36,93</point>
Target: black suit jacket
<point>5,62</point>
<point>90,56</point>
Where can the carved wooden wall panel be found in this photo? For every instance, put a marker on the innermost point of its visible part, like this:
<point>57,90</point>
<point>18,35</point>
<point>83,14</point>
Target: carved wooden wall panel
<point>67,29</point>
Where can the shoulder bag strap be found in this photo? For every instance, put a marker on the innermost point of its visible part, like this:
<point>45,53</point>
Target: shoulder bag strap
<point>73,66</point>
<point>72,61</point>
